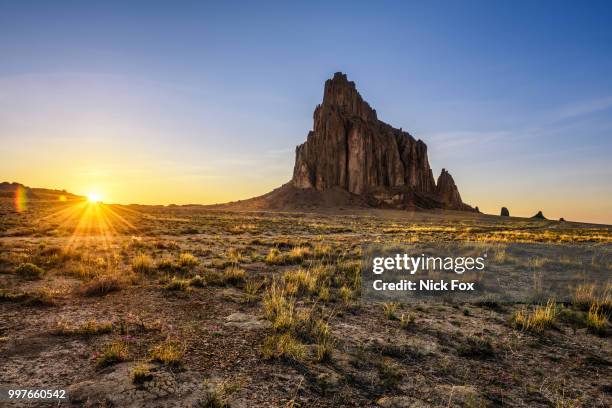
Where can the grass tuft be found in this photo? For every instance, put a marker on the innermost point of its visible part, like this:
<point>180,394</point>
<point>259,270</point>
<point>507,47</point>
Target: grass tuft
<point>29,271</point>
<point>140,374</point>
<point>537,320</point>
<point>169,352</point>
<point>143,264</point>
<point>113,353</point>
<point>102,285</point>
<point>187,260</point>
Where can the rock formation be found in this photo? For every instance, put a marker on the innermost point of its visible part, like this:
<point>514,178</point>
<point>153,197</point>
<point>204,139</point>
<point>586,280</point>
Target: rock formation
<point>504,212</point>
<point>351,149</point>
<point>539,216</point>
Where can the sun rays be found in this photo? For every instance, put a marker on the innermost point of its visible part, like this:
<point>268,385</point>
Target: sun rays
<point>93,223</point>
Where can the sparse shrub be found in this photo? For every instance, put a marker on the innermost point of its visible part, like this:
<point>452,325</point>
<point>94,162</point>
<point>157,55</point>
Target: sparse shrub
<point>278,308</point>
<point>274,257</point>
<point>102,285</point>
<point>324,341</point>
<point>141,374</point>
<point>213,277</point>
<point>323,295</point>
<point>143,264</point>
<point>234,256</point>
<point>406,321</point>
<point>596,320</point>
<point>90,328</point>
<point>537,320</point>
<point>284,346</point>
<point>197,281</point>
<point>322,250</point>
<point>349,273</point>
<point>302,280</point>
<point>390,308</point>
<point>345,294</point>
<point>112,353</point>
<point>585,296</point>
<point>169,352</point>
<point>234,275</point>
<point>167,265</point>
<point>39,297</point>
<point>252,287</point>
<point>187,260</point>
<point>29,271</point>
<point>297,254</point>
<point>218,395</point>
<point>178,284</point>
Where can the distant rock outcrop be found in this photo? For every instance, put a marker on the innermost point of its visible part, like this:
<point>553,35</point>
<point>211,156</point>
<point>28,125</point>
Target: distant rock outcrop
<point>504,212</point>
<point>351,149</point>
<point>8,190</point>
<point>539,216</point>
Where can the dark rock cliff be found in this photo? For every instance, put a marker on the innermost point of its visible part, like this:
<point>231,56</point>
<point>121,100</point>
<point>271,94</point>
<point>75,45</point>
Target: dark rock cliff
<point>349,148</point>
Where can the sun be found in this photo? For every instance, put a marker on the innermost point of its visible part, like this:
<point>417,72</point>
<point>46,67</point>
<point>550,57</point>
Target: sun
<point>94,197</point>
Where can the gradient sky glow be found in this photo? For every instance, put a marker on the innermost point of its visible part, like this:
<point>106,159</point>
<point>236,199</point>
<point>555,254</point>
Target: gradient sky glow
<point>185,102</point>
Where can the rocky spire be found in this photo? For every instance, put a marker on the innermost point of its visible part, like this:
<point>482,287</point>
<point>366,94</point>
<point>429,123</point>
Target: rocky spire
<point>349,148</point>
<point>447,191</point>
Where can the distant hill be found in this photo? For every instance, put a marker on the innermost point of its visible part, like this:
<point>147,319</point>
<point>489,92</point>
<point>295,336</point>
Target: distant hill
<point>8,190</point>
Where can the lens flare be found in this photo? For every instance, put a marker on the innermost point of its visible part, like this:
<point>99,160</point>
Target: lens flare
<point>21,199</point>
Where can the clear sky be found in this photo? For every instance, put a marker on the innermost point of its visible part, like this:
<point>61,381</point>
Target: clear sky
<point>179,102</point>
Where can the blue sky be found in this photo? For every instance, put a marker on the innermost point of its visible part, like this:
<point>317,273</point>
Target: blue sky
<point>163,102</point>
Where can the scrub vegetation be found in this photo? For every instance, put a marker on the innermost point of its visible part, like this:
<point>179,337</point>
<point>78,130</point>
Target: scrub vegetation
<point>227,308</point>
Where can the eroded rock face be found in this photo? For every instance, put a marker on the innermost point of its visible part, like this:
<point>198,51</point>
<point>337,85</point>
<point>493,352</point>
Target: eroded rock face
<point>504,212</point>
<point>351,149</point>
<point>447,191</point>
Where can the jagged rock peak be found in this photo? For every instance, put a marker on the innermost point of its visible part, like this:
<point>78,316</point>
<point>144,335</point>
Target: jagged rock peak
<point>351,149</point>
<point>447,190</point>
<point>342,94</point>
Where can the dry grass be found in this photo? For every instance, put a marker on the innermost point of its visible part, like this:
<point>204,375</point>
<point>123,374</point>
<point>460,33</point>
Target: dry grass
<point>389,309</point>
<point>596,320</point>
<point>169,352</point>
<point>103,285</point>
<point>278,307</point>
<point>234,275</point>
<point>284,346</point>
<point>187,260</point>
<point>143,264</point>
<point>38,297</point>
<point>300,282</point>
<point>274,257</point>
<point>112,353</point>
<point>141,374</point>
<point>29,271</point>
<point>536,320</point>
<point>178,284</point>
<point>89,328</point>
